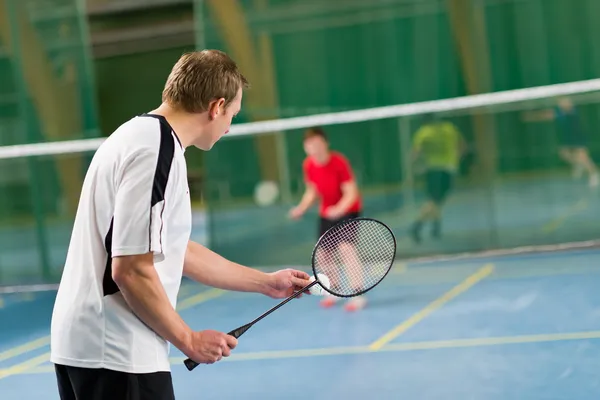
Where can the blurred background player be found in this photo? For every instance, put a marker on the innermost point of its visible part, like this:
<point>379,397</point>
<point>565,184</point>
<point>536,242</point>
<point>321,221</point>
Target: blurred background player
<point>329,177</point>
<point>572,139</point>
<point>439,145</point>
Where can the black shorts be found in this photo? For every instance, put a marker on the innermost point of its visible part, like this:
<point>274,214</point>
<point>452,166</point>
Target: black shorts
<point>103,384</point>
<point>325,224</point>
<point>573,140</point>
<point>439,183</point>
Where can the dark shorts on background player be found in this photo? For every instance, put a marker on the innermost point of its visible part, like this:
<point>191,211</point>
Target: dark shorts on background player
<point>103,384</point>
<point>439,183</point>
<point>573,139</point>
<point>571,133</point>
<point>325,224</point>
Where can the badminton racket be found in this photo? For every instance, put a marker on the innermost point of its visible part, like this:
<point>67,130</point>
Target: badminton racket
<point>355,255</point>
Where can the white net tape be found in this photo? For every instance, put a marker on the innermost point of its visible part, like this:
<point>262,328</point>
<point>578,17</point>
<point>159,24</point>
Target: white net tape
<point>355,256</point>
<point>394,111</point>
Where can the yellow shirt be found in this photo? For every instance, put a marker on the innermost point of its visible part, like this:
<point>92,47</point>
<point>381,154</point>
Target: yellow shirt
<point>439,144</point>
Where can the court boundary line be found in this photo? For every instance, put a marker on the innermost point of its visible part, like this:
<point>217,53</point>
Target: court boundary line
<point>25,348</point>
<point>537,251</point>
<point>44,340</point>
<point>420,315</point>
<point>388,348</point>
<point>574,208</point>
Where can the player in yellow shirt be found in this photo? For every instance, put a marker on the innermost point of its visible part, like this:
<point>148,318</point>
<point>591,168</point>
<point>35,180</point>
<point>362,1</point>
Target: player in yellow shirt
<point>439,144</point>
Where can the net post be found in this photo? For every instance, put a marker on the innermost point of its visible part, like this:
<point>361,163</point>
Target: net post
<point>199,33</point>
<point>24,106</point>
<point>406,164</point>
<point>284,168</point>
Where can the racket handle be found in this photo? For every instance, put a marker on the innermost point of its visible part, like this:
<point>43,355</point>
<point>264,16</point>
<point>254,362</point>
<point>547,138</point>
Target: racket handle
<point>190,364</point>
<point>236,333</point>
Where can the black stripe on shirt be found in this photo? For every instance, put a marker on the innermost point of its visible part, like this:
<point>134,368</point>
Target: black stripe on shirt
<point>163,169</point>
<point>164,162</point>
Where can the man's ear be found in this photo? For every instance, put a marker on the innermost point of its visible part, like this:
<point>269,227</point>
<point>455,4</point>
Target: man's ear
<point>214,108</point>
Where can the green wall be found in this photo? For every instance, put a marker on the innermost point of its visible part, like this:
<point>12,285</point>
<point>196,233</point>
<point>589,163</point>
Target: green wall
<point>414,58</point>
<point>388,61</point>
<point>332,67</point>
<point>129,85</point>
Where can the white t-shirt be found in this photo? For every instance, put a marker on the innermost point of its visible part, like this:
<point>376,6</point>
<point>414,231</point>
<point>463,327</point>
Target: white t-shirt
<point>135,200</point>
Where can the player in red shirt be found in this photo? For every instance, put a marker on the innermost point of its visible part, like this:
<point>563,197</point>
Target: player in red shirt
<point>328,176</point>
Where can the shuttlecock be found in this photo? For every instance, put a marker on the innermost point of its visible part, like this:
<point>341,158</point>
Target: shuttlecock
<point>318,289</point>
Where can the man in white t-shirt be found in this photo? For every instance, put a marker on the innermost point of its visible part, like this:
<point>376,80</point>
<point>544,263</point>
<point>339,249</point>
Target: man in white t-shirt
<point>115,309</point>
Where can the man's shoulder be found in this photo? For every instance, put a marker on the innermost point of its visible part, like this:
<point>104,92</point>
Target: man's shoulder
<point>452,128</point>
<point>307,163</point>
<point>138,127</point>
<point>137,135</point>
<point>339,158</point>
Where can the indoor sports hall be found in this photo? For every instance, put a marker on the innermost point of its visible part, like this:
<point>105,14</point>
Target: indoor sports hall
<point>492,294</point>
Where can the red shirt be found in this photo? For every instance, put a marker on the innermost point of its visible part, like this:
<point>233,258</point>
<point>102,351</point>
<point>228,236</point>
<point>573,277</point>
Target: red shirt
<point>328,180</point>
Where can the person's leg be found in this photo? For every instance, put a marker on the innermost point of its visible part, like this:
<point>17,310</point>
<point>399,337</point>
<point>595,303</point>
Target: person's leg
<point>341,275</point>
<point>93,384</point>
<point>568,138</point>
<point>352,271</point>
<point>158,385</point>
<point>445,185</point>
<point>103,384</point>
<point>566,155</point>
<point>583,159</point>
<point>65,388</point>
<point>327,263</point>
<point>430,209</point>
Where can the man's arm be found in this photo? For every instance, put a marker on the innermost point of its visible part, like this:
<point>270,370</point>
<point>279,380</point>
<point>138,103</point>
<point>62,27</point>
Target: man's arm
<point>136,241</point>
<point>539,115</point>
<point>141,288</point>
<point>204,266</point>
<point>308,199</point>
<point>417,143</point>
<point>349,195</point>
<point>349,190</point>
<point>207,267</point>
<point>461,144</point>
<point>138,281</point>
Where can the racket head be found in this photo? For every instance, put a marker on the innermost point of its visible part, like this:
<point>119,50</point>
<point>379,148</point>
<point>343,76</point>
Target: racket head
<point>356,254</point>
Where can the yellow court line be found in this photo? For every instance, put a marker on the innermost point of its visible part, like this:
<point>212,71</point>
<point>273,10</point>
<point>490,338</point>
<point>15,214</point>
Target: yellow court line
<point>492,341</point>
<point>36,361</point>
<point>400,268</point>
<point>465,285</point>
<point>199,298</point>
<point>437,276</point>
<point>410,346</point>
<point>394,347</point>
<point>24,366</point>
<point>554,224</point>
<point>25,348</point>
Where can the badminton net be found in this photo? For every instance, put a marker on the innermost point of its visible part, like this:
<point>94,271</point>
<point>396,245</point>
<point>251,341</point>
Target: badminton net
<point>525,198</point>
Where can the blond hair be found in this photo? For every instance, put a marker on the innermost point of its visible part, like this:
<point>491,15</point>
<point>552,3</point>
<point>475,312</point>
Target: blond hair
<point>201,77</point>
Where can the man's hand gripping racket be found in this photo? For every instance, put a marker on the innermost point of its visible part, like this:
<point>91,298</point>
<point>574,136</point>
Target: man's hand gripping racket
<point>350,259</point>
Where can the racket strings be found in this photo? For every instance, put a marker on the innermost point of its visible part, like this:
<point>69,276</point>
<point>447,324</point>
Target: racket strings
<point>355,256</point>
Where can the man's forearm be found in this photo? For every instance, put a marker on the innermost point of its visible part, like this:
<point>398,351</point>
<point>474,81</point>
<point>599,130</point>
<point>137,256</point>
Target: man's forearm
<point>349,196</point>
<point>145,295</point>
<point>307,200</point>
<point>539,115</point>
<point>207,267</point>
<point>346,201</point>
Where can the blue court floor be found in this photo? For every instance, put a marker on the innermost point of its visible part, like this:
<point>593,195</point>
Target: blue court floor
<point>513,327</point>
<point>532,210</point>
